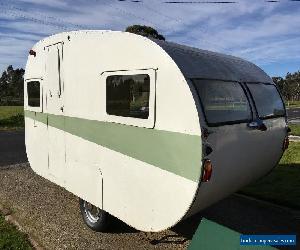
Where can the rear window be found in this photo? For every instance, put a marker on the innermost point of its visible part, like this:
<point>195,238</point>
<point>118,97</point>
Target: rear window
<point>267,100</point>
<point>223,102</point>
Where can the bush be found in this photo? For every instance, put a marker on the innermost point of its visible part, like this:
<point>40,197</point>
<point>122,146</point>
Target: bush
<point>13,121</point>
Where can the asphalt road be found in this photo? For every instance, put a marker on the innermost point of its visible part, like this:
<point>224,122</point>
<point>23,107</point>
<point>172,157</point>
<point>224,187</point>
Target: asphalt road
<point>294,115</point>
<point>12,147</point>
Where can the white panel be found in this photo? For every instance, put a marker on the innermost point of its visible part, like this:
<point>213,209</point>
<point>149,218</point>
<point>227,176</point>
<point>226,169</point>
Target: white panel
<point>37,146</point>
<point>144,196</point>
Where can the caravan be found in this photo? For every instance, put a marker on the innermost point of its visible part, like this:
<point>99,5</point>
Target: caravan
<point>148,131</point>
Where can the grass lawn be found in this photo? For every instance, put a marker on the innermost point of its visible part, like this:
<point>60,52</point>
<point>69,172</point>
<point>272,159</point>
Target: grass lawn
<point>11,117</point>
<point>282,185</point>
<point>295,129</point>
<point>11,238</point>
<point>292,104</point>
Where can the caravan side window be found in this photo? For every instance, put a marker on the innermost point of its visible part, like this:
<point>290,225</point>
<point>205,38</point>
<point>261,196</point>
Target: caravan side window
<point>128,95</point>
<point>33,93</point>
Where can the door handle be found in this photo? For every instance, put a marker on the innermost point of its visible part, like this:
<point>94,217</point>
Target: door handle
<point>257,124</point>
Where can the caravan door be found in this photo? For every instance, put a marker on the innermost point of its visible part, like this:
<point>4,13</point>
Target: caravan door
<point>55,111</point>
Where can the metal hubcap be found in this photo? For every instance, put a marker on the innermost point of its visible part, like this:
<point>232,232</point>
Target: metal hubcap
<point>92,212</point>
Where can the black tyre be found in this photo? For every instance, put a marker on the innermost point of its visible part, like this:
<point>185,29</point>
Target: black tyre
<point>94,217</point>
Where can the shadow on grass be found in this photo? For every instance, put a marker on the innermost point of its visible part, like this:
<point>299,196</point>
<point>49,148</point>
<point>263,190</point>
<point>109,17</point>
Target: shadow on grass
<point>281,186</point>
<point>244,216</point>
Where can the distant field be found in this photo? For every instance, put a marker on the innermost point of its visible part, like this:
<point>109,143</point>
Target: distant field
<point>292,104</point>
<point>8,111</point>
<point>282,185</point>
<point>11,117</point>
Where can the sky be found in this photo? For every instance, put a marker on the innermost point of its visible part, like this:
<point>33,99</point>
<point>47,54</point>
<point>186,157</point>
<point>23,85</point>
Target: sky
<point>265,33</point>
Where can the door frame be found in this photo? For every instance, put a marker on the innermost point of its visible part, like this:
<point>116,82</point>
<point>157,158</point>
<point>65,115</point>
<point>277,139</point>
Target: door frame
<point>56,136</point>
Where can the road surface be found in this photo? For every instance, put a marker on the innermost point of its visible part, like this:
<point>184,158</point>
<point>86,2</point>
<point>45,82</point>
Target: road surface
<point>294,115</point>
<point>12,147</point>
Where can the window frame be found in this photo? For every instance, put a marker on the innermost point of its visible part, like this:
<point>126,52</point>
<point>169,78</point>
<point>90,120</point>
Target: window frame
<point>28,107</point>
<point>133,121</point>
<point>255,106</point>
<point>218,124</point>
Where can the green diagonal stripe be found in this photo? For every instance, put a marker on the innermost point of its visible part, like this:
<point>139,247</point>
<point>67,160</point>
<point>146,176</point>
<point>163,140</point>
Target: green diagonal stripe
<point>211,235</point>
<point>175,152</point>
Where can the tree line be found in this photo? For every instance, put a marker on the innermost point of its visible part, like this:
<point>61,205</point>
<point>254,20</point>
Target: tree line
<point>289,86</point>
<point>12,86</point>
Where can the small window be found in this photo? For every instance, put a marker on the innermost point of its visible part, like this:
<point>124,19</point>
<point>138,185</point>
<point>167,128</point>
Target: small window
<point>267,100</point>
<point>223,102</point>
<point>128,95</point>
<point>33,92</point>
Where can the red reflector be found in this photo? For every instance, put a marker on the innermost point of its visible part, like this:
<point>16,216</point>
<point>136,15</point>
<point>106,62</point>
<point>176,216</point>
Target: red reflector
<point>207,171</point>
<point>32,52</point>
<point>286,143</point>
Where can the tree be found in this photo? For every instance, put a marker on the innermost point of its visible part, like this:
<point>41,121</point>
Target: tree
<point>289,86</point>
<point>280,82</point>
<point>11,86</point>
<point>145,31</point>
<point>292,82</point>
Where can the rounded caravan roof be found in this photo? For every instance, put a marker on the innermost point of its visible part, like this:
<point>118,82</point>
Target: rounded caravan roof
<point>198,63</point>
<point>194,62</point>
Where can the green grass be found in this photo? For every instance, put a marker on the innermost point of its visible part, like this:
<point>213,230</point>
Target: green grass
<point>282,185</point>
<point>8,111</point>
<point>292,104</point>
<point>295,129</point>
<point>11,117</point>
<point>11,238</point>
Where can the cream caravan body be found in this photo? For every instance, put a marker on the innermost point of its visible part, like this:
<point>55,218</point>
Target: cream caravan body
<point>144,170</point>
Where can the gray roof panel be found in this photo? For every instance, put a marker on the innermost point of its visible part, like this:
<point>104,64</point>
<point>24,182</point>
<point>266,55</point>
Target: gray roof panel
<point>197,63</point>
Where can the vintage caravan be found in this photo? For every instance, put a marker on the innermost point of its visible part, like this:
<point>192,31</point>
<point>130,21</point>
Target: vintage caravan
<point>148,131</point>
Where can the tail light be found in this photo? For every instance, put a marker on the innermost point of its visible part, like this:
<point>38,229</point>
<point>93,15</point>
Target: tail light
<point>286,143</point>
<point>207,170</point>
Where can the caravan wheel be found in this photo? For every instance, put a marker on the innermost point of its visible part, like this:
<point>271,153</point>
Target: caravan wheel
<point>94,217</point>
